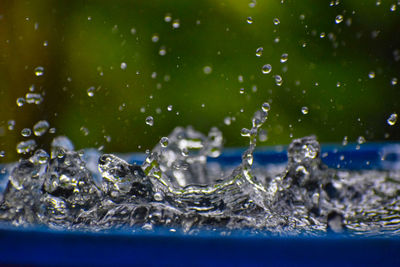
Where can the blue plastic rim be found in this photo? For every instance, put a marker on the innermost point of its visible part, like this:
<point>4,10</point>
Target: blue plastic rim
<point>42,246</point>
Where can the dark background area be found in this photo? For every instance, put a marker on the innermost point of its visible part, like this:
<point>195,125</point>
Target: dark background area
<point>344,73</point>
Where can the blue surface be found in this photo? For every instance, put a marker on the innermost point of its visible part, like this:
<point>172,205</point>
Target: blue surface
<point>41,246</point>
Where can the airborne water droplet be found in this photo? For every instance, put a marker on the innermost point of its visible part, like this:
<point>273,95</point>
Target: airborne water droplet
<point>361,140</point>
<point>265,107</point>
<point>40,128</point>
<point>150,121</point>
<point>278,80</point>
<point>259,51</point>
<point>155,38</point>
<point>20,101</point>
<point>26,132</point>
<point>123,66</point>
<point>176,24</point>
<point>39,71</point>
<point>167,17</point>
<point>392,119</point>
<point>26,146</point>
<point>207,70</point>
<point>266,69</point>
<point>276,21</point>
<point>249,20</point>
<point>338,19</point>
<point>284,57</point>
<point>394,81</point>
<point>90,91</point>
<point>304,110</point>
<point>164,141</point>
<point>371,74</point>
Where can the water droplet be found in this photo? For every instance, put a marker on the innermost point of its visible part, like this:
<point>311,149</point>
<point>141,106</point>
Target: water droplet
<point>84,130</point>
<point>158,196</point>
<point>26,146</point>
<point>40,128</point>
<point>276,21</point>
<point>345,141</point>
<point>33,98</point>
<point>252,3</point>
<point>45,43</point>
<point>227,121</point>
<point>393,7</point>
<point>155,38</point>
<point>284,57</point>
<point>371,74</point>
<point>241,91</point>
<point>162,51</point>
<point>240,78</point>
<point>39,71</point>
<point>245,132</point>
<point>304,110</point>
<point>394,81</point>
<point>266,69</point>
<point>40,157</point>
<point>262,135</point>
<point>133,31</point>
<point>322,35</point>
<point>176,24</point>
<point>169,108</point>
<point>2,153</point>
<point>90,91</point>
<point>278,80</point>
<point>20,101</point>
<point>338,19</point>
<point>11,125</point>
<point>26,132</point>
<point>150,121</point>
<point>361,140</point>
<point>266,107</point>
<point>123,66</point>
<point>259,51</point>
<point>207,70</point>
<point>168,17</point>
<point>164,141</point>
<point>249,20</point>
<point>392,119</point>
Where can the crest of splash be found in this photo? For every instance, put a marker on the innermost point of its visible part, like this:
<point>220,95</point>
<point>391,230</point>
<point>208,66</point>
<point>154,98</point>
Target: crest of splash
<point>175,187</point>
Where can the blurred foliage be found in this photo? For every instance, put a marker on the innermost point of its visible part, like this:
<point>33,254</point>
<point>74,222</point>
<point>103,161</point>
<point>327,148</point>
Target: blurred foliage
<point>82,44</point>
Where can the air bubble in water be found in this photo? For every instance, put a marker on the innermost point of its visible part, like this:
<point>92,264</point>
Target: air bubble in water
<point>40,128</point>
<point>150,121</point>
<point>90,91</point>
<point>304,110</point>
<point>249,20</point>
<point>284,57</point>
<point>207,70</point>
<point>123,66</point>
<point>26,146</point>
<point>168,17</point>
<point>394,81</point>
<point>39,71</point>
<point>164,141</point>
<point>266,69</point>
<point>392,119</point>
<point>259,51</point>
<point>371,74</point>
<point>20,101</point>
<point>26,132</point>
<point>338,19</point>
<point>176,24</point>
<point>276,21</point>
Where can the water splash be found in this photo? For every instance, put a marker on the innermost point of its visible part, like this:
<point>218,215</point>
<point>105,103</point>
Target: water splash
<point>177,187</point>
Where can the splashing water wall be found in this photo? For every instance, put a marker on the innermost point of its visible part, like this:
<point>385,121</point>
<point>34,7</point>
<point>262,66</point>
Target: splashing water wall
<point>121,76</point>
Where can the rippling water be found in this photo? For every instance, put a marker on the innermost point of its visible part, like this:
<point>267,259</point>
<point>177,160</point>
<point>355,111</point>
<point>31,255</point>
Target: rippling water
<point>177,188</point>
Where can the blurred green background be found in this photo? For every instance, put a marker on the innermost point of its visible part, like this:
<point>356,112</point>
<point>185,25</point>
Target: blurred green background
<point>142,56</point>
